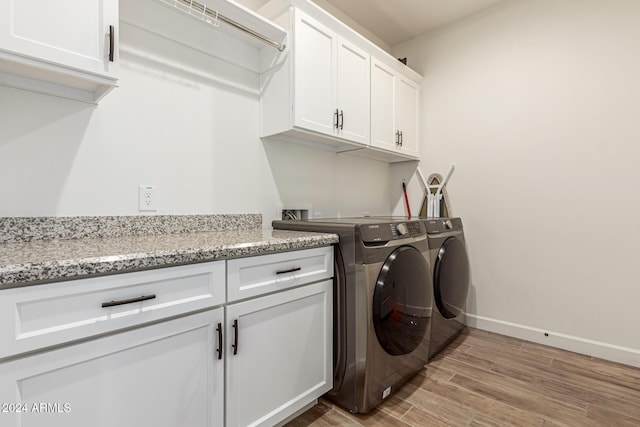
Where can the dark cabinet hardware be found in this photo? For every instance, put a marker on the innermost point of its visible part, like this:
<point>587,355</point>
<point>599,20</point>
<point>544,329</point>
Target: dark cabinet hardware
<point>341,119</point>
<point>235,337</point>
<point>111,42</point>
<point>335,124</point>
<point>128,301</point>
<point>219,349</point>
<point>291,270</point>
<point>401,138</point>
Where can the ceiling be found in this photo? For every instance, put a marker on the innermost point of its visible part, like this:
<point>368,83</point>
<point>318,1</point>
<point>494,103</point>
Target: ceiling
<point>395,21</point>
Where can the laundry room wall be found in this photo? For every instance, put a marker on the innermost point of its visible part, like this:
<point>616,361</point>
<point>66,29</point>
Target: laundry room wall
<point>537,105</point>
<point>194,135</point>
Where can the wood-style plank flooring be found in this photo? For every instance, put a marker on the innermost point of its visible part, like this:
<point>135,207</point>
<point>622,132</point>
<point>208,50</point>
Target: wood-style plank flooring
<point>486,379</point>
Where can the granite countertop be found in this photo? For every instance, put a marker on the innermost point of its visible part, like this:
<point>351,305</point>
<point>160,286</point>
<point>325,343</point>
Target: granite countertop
<point>39,261</point>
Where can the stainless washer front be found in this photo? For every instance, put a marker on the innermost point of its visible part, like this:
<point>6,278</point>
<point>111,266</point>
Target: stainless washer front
<point>379,372</point>
<point>383,300</point>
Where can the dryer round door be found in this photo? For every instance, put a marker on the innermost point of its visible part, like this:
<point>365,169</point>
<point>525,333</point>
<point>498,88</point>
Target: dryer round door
<point>451,278</point>
<point>402,301</point>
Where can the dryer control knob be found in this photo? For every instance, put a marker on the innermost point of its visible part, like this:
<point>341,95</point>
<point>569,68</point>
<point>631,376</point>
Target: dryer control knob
<point>448,224</point>
<point>402,229</point>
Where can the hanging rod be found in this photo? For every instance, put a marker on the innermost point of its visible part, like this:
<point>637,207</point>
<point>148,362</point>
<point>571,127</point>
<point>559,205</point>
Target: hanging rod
<point>212,17</point>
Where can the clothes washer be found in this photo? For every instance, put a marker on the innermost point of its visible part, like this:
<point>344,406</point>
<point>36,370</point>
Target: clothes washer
<point>450,264</point>
<point>383,299</point>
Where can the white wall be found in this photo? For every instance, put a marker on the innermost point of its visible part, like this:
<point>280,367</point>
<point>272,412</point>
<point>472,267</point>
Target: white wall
<point>353,24</point>
<point>190,128</point>
<point>537,103</point>
<point>257,4</point>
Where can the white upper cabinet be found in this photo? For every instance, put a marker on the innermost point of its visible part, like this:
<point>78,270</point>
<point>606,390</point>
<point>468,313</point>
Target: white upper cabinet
<point>315,73</point>
<point>331,83</point>
<point>408,107</point>
<point>383,106</point>
<point>67,49</point>
<point>394,111</point>
<point>337,90</point>
<point>73,33</point>
<point>353,92</point>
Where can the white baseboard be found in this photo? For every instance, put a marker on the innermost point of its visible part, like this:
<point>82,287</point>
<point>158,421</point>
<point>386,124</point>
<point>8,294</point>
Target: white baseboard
<point>615,353</point>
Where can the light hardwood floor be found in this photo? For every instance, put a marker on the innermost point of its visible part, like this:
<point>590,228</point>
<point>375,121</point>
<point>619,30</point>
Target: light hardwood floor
<point>486,379</point>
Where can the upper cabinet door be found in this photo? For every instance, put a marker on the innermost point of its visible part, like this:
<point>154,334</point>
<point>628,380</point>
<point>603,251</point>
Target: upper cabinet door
<point>314,76</point>
<point>383,106</point>
<point>74,33</point>
<point>408,110</point>
<point>353,92</point>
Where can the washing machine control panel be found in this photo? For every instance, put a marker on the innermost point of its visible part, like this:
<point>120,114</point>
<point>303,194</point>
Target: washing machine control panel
<point>407,229</point>
<point>402,229</point>
<point>443,225</point>
<point>385,232</point>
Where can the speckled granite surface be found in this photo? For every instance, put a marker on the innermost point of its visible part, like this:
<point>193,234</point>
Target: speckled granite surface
<point>53,260</point>
<point>45,249</point>
<point>26,229</point>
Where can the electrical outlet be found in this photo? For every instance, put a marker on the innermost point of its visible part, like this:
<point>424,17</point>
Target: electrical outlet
<point>147,198</point>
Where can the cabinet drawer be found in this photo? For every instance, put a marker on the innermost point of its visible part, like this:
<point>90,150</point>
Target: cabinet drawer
<point>39,316</point>
<point>252,276</point>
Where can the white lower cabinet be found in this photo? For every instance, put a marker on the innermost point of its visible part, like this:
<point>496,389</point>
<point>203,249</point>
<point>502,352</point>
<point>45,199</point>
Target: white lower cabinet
<point>279,354</point>
<point>159,348</point>
<point>162,375</point>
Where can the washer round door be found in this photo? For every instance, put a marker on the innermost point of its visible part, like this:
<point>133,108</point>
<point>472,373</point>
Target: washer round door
<point>402,301</point>
<point>451,278</point>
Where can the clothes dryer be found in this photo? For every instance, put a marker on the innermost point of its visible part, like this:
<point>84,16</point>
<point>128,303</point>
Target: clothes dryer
<point>383,300</point>
<point>450,264</point>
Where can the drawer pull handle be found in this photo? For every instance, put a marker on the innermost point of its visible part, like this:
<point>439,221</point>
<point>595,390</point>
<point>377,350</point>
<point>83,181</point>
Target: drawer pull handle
<point>291,270</point>
<point>219,350</point>
<point>235,337</point>
<point>128,301</point>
